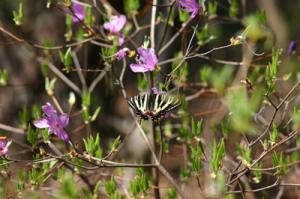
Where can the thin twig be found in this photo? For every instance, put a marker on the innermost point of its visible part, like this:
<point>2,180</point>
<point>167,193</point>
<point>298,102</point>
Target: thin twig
<point>184,25</point>
<point>11,129</point>
<point>274,114</point>
<point>166,26</point>
<point>99,78</point>
<point>79,71</point>
<point>59,74</point>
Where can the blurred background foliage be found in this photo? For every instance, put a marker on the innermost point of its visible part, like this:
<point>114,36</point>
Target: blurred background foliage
<point>237,75</point>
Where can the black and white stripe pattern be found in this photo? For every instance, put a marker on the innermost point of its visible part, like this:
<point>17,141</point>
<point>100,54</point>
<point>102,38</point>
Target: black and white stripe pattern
<point>155,106</point>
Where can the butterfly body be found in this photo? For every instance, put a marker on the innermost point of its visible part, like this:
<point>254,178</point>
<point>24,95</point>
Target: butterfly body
<point>153,106</point>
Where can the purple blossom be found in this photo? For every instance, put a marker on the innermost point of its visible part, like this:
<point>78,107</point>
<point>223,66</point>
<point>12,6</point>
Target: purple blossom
<point>190,6</point>
<point>121,53</point>
<point>156,91</point>
<point>116,24</point>
<point>292,47</point>
<point>78,10</point>
<point>146,61</point>
<point>54,122</point>
<point>121,39</point>
<point>3,145</point>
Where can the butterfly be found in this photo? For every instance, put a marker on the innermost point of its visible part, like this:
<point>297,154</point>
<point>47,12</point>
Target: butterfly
<point>153,106</point>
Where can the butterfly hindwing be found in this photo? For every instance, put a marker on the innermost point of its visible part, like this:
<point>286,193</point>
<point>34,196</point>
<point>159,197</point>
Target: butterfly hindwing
<point>155,106</point>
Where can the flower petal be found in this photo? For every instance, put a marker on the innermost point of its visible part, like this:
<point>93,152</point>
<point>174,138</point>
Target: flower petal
<point>156,91</point>
<point>121,40</point>
<point>191,6</point>
<point>292,47</point>
<point>62,134</point>
<point>3,151</point>
<point>63,120</point>
<point>42,123</point>
<point>116,24</point>
<point>139,68</point>
<point>121,53</point>
<point>78,11</point>
<point>146,62</point>
<point>121,22</point>
<point>49,110</point>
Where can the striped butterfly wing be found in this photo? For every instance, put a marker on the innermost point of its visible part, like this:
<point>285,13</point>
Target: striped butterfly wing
<point>162,104</point>
<point>153,105</point>
<point>140,104</point>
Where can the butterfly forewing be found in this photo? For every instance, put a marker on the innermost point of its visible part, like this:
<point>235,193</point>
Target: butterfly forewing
<point>154,105</point>
<point>135,104</point>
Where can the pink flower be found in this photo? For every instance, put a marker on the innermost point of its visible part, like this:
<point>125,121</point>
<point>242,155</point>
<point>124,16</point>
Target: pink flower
<point>190,6</point>
<point>121,39</point>
<point>116,24</point>
<point>121,53</point>
<point>292,47</point>
<point>156,91</point>
<point>3,145</point>
<point>146,61</point>
<point>78,10</point>
<point>54,122</point>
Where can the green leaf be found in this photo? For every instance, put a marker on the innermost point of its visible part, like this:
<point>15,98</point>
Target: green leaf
<point>204,36</point>
<point>24,117</point>
<point>140,184</point>
<point>212,8</point>
<point>275,159</point>
<point>219,184</point>
<point>22,177</point>
<point>88,18</point>
<point>49,85</point>
<point>273,135</point>
<point>109,53</point>
<point>115,144</point>
<point>66,59</point>
<point>69,33</point>
<point>68,188</point>
<point>234,8</point>
<point>131,6</point>
<point>96,113</point>
<point>261,15</point>
<point>218,154</point>
<point>3,77</point>
<point>185,174</point>
<point>197,129</point>
<point>196,154</point>
<point>244,153</point>
<point>296,120</point>
<point>205,74</point>
<point>171,194</point>
<point>36,112</point>
<point>142,82</point>
<point>96,190</point>
<point>18,15</point>
<point>220,78</point>
<point>257,172</point>
<point>272,70</point>
<point>110,186</point>
<point>183,16</point>
<point>45,134</point>
<point>225,127</point>
<point>255,28</point>
<point>86,99</point>
<point>32,135</point>
<point>242,108</point>
<point>93,146</point>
